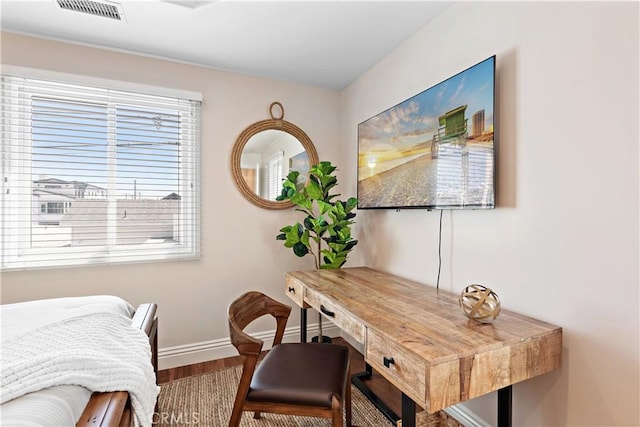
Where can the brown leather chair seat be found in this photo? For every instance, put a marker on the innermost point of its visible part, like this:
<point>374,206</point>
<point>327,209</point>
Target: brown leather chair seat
<point>301,374</point>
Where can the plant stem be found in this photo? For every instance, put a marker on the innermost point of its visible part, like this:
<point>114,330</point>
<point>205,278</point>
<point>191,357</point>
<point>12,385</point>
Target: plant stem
<point>318,262</point>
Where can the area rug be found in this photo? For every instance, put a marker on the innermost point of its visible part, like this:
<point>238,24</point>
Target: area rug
<point>207,400</point>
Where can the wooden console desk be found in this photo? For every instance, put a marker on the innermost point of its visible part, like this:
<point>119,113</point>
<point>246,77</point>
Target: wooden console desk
<point>419,340</point>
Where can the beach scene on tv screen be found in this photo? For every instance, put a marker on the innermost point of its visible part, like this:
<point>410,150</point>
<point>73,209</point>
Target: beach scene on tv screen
<point>435,149</point>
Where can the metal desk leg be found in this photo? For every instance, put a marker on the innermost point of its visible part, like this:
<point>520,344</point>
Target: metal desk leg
<point>408,411</point>
<point>357,380</point>
<point>303,325</point>
<point>504,407</point>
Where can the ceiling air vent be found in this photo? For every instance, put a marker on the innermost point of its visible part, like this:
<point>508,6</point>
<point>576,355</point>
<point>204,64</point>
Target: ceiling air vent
<point>98,8</point>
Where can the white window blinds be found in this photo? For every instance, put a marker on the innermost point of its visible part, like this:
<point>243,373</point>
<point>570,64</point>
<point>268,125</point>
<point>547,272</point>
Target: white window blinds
<point>274,175</point>
<point>93,175</point>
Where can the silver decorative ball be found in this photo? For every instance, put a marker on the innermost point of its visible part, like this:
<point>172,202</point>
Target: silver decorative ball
<point>479,303</point>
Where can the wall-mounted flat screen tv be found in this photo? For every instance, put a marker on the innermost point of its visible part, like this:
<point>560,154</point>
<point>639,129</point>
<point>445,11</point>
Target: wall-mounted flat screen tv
<point>435,150</point>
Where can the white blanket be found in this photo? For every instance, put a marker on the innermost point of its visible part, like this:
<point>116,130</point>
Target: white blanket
<point>100,351</point>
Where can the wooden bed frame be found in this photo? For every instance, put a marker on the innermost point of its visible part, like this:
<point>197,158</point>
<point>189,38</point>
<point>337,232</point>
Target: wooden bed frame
<point>113,409</point>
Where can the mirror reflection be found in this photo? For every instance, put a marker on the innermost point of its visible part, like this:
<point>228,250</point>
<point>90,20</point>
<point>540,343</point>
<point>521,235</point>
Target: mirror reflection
<point>268,157</point>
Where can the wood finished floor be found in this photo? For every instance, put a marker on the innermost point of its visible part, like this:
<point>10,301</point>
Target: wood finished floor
<point>381,387</point>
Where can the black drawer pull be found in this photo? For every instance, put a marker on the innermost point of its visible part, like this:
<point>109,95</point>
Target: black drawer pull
<point>327,312</point>
<point>292,290</point>
<point>388,361</point>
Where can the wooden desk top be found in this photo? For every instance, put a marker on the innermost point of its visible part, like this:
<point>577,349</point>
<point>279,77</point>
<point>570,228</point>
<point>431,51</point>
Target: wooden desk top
<point>462,358</point>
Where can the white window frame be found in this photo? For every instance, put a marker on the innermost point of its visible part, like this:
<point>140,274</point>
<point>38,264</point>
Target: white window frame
<point>15,210</point>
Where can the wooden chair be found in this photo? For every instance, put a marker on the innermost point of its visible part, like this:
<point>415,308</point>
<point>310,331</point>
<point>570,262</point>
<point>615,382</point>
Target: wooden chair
<point>306,379</point>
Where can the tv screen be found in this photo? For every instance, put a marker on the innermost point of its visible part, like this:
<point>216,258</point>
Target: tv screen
<point>435,150</point>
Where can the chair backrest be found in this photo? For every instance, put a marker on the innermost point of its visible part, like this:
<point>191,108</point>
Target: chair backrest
<point>247,308</point>
<point>243,311</point>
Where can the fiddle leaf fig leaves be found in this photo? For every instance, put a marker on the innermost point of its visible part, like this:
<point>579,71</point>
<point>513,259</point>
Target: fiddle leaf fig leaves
<point>288,186</point>
<point>300,249</point>
<point>326,229</point>
<point>314,191</point>
<point>324,207</point>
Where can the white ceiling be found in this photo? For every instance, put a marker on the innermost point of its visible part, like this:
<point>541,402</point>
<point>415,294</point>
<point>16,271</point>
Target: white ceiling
<point>321,43</point>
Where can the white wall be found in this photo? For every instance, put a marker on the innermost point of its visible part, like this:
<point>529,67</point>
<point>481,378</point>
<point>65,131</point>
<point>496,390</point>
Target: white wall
<point>562,245</point>
<point>239,250</point>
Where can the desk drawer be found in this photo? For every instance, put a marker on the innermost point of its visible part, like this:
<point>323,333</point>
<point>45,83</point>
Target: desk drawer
<point>341,318</point>
<point>403,369</point>
<point>295,290</point>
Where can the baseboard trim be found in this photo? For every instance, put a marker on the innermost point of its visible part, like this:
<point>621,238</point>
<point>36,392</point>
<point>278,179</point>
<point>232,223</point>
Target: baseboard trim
<point>465,417</point>
<point>188,354</point>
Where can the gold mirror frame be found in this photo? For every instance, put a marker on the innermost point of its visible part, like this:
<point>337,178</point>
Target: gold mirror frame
<point>277,123</point>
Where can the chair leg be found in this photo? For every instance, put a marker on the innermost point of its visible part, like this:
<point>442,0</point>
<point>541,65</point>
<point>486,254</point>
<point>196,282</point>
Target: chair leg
<point>336,413</point>
<point>336,420</point>
<point>236,416</point>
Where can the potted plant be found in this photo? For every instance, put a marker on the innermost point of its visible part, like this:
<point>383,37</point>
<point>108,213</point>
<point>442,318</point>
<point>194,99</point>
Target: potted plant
<point>325,231</point>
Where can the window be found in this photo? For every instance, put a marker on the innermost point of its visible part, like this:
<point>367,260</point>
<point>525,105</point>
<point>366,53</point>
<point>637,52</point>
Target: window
<point>93,175</point>
<point>274,175</point>
<point>55,208</point>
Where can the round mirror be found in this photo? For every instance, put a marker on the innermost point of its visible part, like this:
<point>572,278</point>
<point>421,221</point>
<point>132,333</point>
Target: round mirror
<point>265,153</point>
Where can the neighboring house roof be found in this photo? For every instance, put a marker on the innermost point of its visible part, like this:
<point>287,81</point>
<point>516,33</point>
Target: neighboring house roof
<point>62,181</point>
<point>51,181</point>
<point>93,212</point>
<point>85,185</point>
<point>43,192</point>
<point>172,196</point>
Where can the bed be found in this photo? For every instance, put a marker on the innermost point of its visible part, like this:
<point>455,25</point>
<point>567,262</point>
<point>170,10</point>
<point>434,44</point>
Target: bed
<point>84,361</point>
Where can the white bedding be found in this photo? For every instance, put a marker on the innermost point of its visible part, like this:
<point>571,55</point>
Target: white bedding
<point>54,406</point>
<point>24,325</point>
